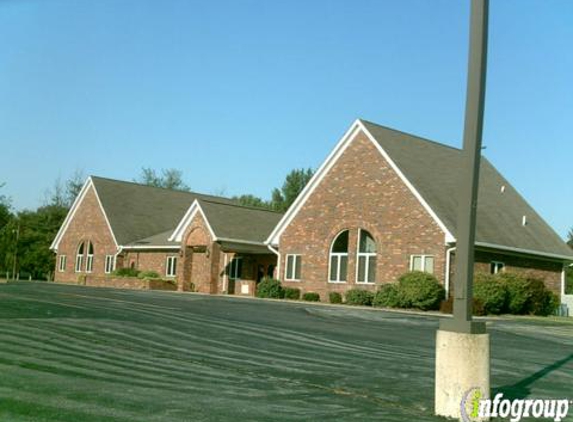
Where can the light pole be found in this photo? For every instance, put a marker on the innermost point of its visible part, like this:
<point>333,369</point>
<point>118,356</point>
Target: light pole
<point>17,231</point>
<point>462,345</point>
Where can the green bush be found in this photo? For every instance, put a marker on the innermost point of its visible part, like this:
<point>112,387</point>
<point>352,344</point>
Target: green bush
<point>126,272</point>
<point>491,293</point>
<point>543,301</point>
<point>270,288</point>
<point>148,274</point>
<point>518,292</point>
<point>335,297</point>
<point>388,297</point>
<point>292,293</point>
<point>420,290</point>
<point>359,297</point>
<point>311,297</point>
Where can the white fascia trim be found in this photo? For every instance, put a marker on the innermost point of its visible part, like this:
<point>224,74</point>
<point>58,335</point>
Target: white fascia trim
<point>315,180</point>
<point>177,235</point>
<point>147,247</point>
<point>106,219</point>
<point>338,150</point>
<point>70,215</point>
<point>245,242</point>
<point>524,251</point>
<point>439,222</point>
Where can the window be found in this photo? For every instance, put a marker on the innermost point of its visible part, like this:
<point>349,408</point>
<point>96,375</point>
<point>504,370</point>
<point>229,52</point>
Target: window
<point>292,270</point>
<point>339,258</point>
<point>171,267</point>
<point>366,272</point>
<point>236,268</point>
<point>422,263</point>
<point>80,257</point>
<point>109,263</point>
<point>62,264</point>
<point>496,267</point>
<point>90,260</point>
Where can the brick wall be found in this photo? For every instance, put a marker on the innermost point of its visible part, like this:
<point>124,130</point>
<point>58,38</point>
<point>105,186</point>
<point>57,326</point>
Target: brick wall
<point>88,225</point>
<point>149,260</point>
<point>127,283</point>
<point>361,190</point>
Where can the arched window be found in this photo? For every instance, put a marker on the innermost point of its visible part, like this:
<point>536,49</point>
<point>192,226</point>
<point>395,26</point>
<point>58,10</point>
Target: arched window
<point>339,258</point>
<point>90,260</point>
<point>79,257</point>
<point>366,271</point>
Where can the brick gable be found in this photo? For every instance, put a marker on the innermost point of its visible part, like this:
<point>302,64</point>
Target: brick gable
<point>361,190</point>
<point>88,224</point>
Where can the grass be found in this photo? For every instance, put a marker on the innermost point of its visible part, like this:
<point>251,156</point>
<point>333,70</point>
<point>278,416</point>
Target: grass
<point>71,353</point>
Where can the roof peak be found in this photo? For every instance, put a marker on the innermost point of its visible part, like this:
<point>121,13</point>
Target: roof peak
<point>420,138</point>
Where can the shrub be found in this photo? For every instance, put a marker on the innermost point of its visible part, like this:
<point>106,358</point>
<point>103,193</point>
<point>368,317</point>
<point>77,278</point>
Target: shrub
<point>148,274</point>
<point>270,288</point>
<point>292,293</point>
<point>359,297</point>
<point>311,297</point>
<point>518,292</point>
<point>126,272</point>
<point>543,301</point>
<point>491,293</point>
<point>335,297</point>
<point>420,290</point>
<point>447,306</point>
<point>388,297</point>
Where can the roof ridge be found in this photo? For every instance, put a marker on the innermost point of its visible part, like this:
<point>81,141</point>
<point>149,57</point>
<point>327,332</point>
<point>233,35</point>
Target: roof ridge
<point>237,205</point>
<point>129,182</point>
<point>417,137</point>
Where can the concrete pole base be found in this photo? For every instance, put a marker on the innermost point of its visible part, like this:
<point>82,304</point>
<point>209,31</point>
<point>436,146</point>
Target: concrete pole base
<point>462,373</point>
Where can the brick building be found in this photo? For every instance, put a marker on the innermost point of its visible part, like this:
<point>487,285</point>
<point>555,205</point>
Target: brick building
<point>201,242</point>
<point>382,203</point>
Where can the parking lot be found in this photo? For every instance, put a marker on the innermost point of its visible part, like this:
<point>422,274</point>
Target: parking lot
<point>70,353</point>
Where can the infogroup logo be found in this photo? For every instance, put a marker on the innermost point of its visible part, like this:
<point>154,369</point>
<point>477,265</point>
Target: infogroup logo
<point>474,407</point>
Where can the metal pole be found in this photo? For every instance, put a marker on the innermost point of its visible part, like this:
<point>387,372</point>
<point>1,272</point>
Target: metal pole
<point>469,177</point>
<point>16,252</point>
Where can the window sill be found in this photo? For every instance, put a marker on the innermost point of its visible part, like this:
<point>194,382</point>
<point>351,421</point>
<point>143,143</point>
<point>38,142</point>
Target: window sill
<point>337,282</point>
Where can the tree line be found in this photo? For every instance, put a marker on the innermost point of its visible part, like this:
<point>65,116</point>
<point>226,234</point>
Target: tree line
<point>25,236</point>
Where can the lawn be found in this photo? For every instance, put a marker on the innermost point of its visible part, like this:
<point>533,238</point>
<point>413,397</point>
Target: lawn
<point>70,353</point>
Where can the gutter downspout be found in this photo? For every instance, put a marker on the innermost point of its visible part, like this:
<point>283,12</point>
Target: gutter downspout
<point>225,274</point>
<point>119,250</point>
<point>448,265</point>
<point>278,254</point>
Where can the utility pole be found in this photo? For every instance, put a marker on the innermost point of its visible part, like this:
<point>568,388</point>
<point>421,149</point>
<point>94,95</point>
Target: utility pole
<point>462,345</point>
<point>16,251</point>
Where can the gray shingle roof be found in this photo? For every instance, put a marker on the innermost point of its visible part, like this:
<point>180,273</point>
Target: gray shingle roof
<point>138,212</point>
<point>433,170</point>
<point>233,221</point>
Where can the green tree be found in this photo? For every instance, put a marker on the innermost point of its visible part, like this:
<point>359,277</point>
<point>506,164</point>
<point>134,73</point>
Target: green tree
<point>252,201</point>
<point>6,217</point>
<point>36,230</point>
<point>294,183</point>
<point>167,178</point>
<point>63,193</point>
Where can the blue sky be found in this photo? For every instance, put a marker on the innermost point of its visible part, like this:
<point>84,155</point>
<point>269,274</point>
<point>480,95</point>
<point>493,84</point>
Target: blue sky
<point>237,93</point>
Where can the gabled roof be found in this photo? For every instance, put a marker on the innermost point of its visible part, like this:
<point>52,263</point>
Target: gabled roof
<point>230,222</point>
<point>431,171</point>
<point>136,212</point>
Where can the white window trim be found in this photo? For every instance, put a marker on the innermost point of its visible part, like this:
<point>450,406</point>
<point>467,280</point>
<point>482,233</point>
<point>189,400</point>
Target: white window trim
<point>89,263</point>
<point>338,261</point>
<point>234,267</point>
<point>79,263</point>
<point>423,269</point>
<point>297,259</point>
<point>368,256</point>
<point>62,264</point>
<point>109,266</point>
<point>172,266</point>
<point>496,264</point>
